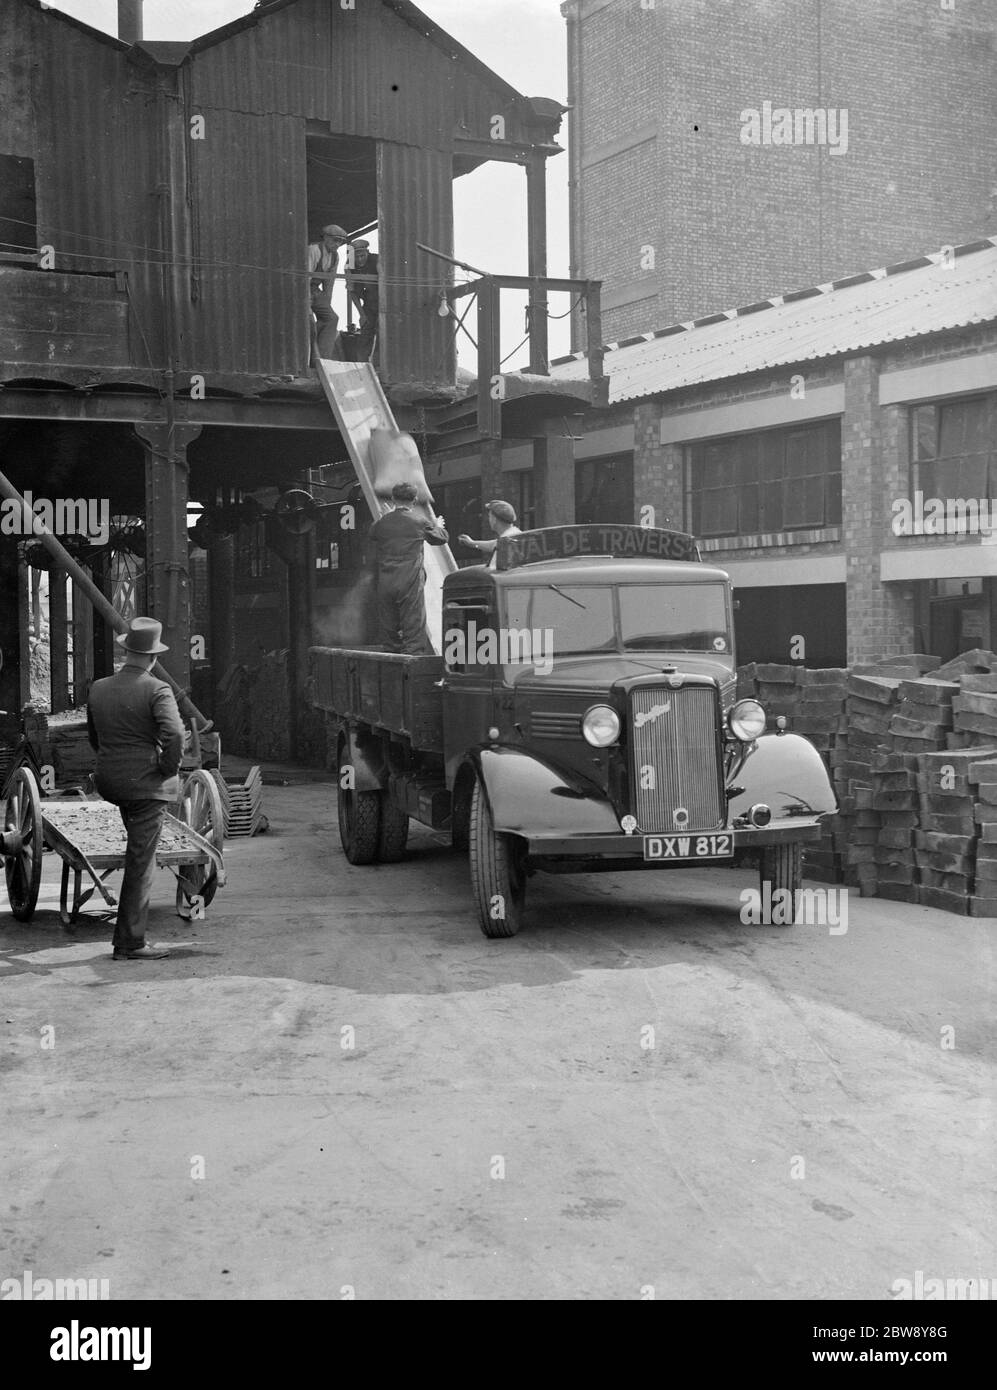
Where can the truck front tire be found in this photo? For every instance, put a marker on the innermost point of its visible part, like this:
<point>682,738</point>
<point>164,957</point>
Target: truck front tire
<point>781,866</point>
<point>498,873</point>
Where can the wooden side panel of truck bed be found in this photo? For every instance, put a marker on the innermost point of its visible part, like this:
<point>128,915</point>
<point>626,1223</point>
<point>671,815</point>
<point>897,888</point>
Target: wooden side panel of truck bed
<point>388,691</point>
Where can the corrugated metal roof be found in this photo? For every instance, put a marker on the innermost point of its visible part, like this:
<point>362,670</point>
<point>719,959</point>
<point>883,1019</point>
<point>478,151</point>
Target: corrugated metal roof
<point>862,311</point>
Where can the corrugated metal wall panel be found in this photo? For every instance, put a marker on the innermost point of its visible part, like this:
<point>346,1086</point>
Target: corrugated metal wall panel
<point>416,204</point>
<point>249,234</point>
<point>363,71</point>
<point>97,160</point>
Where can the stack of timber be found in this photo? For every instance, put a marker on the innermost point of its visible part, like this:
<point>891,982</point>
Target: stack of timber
<point>914,766</point>
<point>821,718</point>
<point>947,829</point>
<point>774,685</point>
<point>983,777</point>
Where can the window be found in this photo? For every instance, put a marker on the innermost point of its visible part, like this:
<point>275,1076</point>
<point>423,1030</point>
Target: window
<point>604,489</point>
<point>779,480</point>
<point>953,448</point>
<point>465,619</point>
<point>18,229</point>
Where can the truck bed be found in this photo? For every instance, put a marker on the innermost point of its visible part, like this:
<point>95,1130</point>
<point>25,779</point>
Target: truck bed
<point>383,689</point>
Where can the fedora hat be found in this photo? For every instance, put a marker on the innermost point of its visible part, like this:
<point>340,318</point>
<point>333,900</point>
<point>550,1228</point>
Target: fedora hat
<point>143,636</point>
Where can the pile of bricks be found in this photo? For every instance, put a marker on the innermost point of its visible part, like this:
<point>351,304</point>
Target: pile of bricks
<point>775,686</point>
<point>911,746</point>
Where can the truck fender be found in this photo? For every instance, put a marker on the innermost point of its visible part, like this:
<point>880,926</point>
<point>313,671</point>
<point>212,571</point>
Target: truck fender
<point>786,772</point>
<point>529,797</point>
<point>364,752</point>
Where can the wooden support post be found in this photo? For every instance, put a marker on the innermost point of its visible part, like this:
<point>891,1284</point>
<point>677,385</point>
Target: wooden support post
<point>490,453</point>
<point>82,645</point>
<point>300,611</point>
<point>593,325</point>
<point>25,576</point>
<point>102,635</point>
<point>167,573</point>
<point>536,216</point>
<point>489,361</point>
<point>58,636</point>
<point>554,480</point>
<point>221,599</point>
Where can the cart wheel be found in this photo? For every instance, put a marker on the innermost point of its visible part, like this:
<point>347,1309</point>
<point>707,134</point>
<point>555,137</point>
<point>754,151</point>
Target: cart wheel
<point>23,823</point>
<point>201,809</point>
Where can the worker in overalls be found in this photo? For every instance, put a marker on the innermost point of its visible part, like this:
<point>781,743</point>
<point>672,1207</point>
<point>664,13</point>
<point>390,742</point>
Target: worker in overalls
<point>323,267</point>
<point>399,537</point>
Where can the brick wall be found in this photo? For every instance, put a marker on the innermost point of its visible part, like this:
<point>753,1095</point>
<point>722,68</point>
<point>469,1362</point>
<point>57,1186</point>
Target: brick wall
<point>731,223</point>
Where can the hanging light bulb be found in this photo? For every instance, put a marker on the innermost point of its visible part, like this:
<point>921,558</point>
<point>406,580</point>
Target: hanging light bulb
<point>443,308</point>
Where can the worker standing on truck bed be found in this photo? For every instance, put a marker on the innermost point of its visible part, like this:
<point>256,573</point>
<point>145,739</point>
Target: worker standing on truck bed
<point>502,520</point>
<point>398,537</point>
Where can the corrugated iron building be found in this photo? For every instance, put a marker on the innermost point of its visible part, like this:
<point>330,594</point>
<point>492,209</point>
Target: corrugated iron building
<point>157,200</point>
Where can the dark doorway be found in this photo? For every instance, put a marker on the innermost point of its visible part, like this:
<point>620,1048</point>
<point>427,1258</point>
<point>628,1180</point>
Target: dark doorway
<point>768,622</point>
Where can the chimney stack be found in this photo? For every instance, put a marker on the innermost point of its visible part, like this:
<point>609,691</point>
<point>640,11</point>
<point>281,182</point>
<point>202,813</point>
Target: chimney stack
<point>130,21</point>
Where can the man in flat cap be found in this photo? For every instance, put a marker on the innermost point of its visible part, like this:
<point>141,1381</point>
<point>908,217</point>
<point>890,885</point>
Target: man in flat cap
<point>399,537</point>
<point>502,522</point>
<point>136,730</point>
<point>323,267</point>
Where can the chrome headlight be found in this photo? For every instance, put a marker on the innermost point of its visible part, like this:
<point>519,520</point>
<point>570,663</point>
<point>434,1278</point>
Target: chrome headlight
<point>601,726</point>
<point>746,720</point>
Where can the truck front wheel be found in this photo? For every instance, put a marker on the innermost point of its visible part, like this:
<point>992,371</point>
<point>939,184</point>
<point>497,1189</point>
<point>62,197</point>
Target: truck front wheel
<point>359,823</point>
<point>781,867</point>
<point>498,871</point>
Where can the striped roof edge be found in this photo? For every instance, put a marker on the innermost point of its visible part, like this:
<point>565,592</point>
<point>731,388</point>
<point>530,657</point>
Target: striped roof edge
<point>812,291</point>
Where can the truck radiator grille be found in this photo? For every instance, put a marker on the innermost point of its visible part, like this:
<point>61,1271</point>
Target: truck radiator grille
<point>674,733</point>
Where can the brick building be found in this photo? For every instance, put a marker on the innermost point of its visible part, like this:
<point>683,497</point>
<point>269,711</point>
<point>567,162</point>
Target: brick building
<point>794,437</point>
<point>687,191</point>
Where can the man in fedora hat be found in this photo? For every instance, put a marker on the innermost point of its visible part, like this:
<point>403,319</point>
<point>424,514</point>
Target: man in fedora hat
<point>323,267</point>
<point>138,735</point>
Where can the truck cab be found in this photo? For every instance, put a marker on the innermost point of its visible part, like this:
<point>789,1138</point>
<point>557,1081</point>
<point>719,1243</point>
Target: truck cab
<point>589,722</point>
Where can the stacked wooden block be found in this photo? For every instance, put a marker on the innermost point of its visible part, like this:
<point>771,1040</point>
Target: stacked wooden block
<point>983,777</point>
<point>774,685</point>
<point>820,717</point>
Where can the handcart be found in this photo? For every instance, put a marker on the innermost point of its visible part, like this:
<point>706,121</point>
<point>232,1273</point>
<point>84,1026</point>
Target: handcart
<point>89,837</point>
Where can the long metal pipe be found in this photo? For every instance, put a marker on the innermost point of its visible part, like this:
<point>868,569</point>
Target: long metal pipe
<point>106,610</point>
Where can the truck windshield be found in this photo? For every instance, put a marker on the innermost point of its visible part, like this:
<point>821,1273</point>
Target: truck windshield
<point>632,617</point>
<point>674,617</point>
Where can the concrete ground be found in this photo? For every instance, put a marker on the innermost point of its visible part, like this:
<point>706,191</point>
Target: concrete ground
<point>336,1085</point>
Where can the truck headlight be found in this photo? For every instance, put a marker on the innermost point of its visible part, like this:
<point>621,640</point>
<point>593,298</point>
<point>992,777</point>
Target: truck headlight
<point>601,726</point>
<point>746,720</point>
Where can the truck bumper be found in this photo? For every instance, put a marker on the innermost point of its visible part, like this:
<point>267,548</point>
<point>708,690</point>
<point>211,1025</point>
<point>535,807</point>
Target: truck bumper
<point>631,847</point>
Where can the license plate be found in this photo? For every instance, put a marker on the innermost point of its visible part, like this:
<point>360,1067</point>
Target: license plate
<point>689,846</point>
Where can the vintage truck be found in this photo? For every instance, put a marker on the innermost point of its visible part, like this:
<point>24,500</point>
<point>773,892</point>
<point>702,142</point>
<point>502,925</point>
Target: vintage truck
<point>582,717</point>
